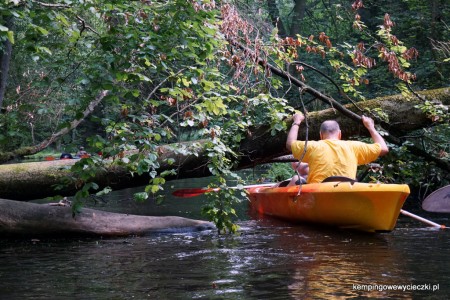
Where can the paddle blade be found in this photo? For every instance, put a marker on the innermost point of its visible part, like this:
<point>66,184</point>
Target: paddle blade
<point>438,201</point>
<point>191,192</point>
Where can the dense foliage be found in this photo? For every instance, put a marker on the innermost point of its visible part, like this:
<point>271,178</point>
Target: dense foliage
<point>178,70</point>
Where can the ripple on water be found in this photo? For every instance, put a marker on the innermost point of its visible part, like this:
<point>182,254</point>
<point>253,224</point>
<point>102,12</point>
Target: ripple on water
<point>266,260</point>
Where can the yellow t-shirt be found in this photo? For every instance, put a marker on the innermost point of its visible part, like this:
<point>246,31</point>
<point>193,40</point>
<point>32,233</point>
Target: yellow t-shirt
<point>334,157</point>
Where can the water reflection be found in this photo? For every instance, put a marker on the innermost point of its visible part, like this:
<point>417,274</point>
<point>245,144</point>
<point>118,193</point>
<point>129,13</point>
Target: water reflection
<point>268,260</point>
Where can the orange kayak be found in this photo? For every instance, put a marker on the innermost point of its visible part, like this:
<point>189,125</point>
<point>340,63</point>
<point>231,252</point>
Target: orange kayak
<point>372,207</point>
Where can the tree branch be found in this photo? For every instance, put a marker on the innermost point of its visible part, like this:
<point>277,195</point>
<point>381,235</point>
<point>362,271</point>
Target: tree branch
<point>304,87</point>
<point>342,109</point>
<point>19,153</point>
<point>51,5</point>
<point>89,109</point>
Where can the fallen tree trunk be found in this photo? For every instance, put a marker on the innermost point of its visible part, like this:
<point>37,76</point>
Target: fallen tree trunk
<point>403,115</point>
<point>30,219</point>
<point>36,180</point>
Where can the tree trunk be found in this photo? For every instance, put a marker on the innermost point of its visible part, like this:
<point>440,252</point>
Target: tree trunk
<point>436,34</point>
<point>298,14</point>
<point>274,14</point>
<point>30,219</point>
<point>28,181</point>
<point>36,180</point>
<point>5,59</point>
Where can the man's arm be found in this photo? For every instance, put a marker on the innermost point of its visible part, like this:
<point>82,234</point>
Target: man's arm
<point>293,132</point>
<point>376,137</point>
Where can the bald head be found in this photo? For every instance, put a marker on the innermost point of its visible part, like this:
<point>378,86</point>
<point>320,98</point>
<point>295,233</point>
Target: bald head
<point>330,130</point>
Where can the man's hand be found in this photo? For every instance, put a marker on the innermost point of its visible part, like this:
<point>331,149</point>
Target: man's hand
<point>293,132</point>
<point>376,137</point>
<point>298,117</point>
<point>368,122</point>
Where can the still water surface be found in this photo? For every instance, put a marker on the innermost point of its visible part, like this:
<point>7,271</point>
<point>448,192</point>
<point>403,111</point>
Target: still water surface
<point>268,259</point>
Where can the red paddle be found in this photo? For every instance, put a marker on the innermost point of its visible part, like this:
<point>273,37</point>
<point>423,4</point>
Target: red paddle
<point>192,192</point>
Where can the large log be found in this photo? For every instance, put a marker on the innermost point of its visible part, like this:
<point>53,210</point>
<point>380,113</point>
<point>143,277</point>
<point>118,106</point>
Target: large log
<point>31,219</point>
<point>402,113</point>
<point>36,180</point>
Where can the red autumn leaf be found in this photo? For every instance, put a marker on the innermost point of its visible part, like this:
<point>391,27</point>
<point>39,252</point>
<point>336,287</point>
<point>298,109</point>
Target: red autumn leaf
<point>171,101</point>
<point>360,46</point>
<point>357,5</point>
<point>322,37</point>
<point>394,40</point>
<point>188,114</point>
<point>388,22</point>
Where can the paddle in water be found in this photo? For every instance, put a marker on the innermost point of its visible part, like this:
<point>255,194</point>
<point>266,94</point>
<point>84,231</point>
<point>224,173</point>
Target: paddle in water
<point>193,192</point>
<point>423,220</point>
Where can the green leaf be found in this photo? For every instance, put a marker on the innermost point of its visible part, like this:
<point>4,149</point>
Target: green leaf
<point>155,188</point>
<point>42,30</point>
<point>103,192</point>
<point>10,36</point>
<point>143,77</point>
<point>63,19</point>
<point>279,127</point>
<point>186,82</point>
<point>140,197</point>
<point>43,49</point>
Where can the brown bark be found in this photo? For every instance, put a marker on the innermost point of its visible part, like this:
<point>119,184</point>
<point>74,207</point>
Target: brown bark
<point>21,218</point>
<point>36,180</point>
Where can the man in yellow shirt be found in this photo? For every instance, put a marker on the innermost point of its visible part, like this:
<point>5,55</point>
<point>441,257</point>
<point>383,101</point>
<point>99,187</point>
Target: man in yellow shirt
<point>332,156</point>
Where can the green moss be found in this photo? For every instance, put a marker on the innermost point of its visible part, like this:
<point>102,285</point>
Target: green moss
<point>24,151</point>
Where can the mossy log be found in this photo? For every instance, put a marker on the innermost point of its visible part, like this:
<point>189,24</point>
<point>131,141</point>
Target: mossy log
<point>403,116</point>
<point>36,180</point>
<point>29,181</point>
<point>31,219</point>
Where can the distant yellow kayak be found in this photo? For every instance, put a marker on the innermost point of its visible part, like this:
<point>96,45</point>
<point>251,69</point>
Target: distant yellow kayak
<point>372,207</point>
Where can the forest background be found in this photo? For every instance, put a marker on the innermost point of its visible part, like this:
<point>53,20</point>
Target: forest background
<point>131,76</point>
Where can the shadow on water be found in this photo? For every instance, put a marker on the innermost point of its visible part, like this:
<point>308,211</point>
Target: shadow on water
<point>268,259</point>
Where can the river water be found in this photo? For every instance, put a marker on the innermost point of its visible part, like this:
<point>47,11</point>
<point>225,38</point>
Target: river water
<point>267,259</point>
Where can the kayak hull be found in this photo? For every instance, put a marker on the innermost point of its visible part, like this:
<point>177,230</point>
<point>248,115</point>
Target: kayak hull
<point>368,207</point>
